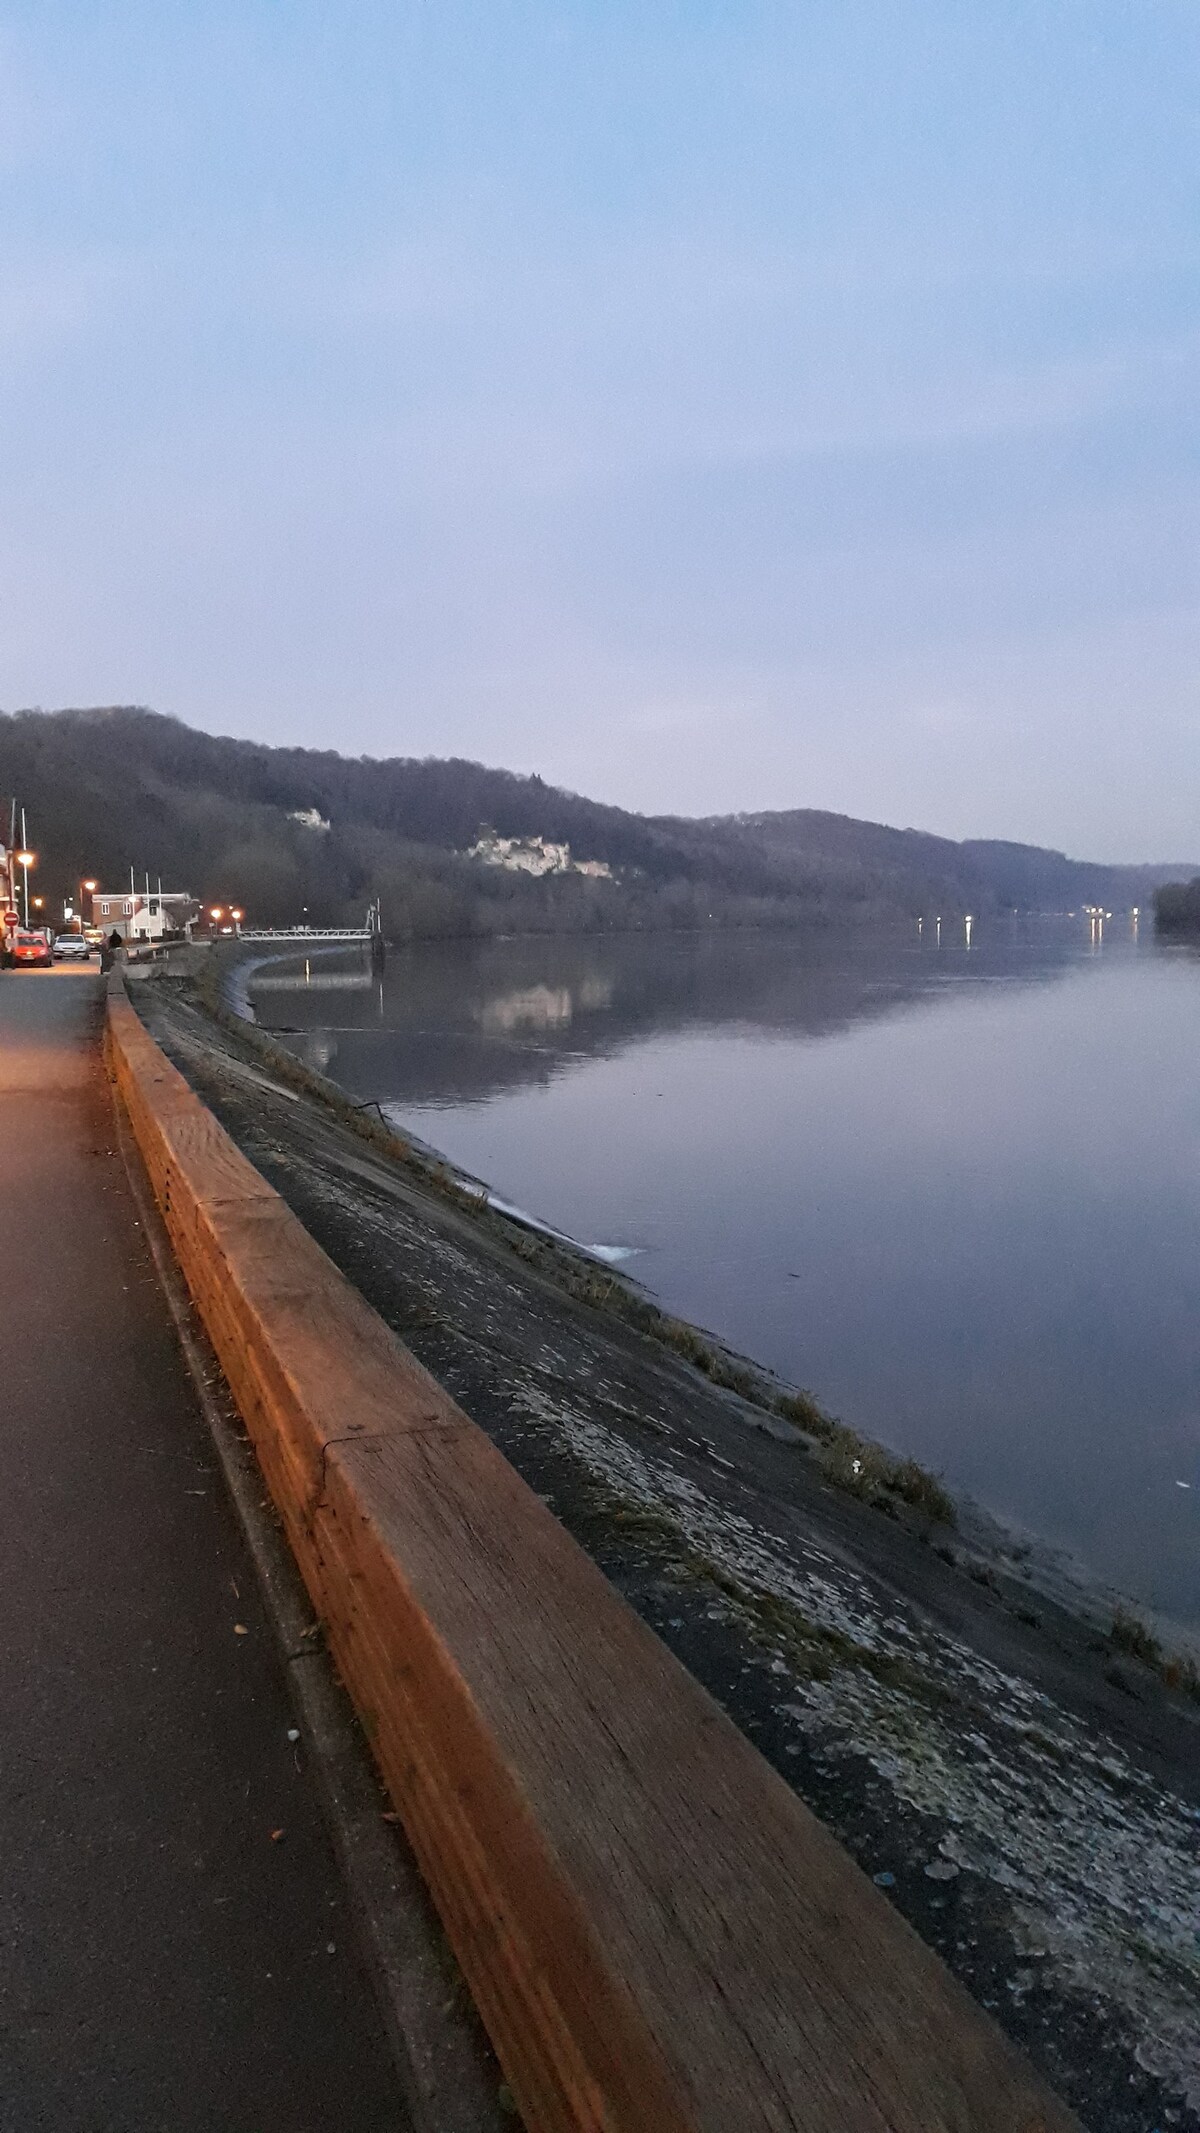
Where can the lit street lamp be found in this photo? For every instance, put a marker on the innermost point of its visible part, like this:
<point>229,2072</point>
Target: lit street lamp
<point>86,888</point>
<point>25,860</point>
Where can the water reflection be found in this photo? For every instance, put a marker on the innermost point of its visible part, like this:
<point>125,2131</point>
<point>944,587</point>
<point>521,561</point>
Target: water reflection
<point>957,1193</point>
<point>463,1021</point>
<point>540,1007</point>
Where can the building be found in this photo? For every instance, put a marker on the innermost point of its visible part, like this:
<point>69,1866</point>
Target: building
<point>140,916</point>
<point>534,855</point>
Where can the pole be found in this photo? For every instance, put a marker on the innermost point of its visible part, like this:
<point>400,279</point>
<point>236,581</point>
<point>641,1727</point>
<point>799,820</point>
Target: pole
<point>25,870</point>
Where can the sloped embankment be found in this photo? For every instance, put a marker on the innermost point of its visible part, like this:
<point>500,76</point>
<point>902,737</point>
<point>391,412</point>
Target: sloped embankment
<point>1029,1800</point>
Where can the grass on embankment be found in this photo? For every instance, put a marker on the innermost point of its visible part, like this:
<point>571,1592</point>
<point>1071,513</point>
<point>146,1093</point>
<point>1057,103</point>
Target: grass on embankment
<point>1129,1634</point>
<point>848,1461</point>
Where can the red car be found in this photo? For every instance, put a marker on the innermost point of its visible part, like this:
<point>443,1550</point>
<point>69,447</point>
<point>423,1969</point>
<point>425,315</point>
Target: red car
<point>33,948</point>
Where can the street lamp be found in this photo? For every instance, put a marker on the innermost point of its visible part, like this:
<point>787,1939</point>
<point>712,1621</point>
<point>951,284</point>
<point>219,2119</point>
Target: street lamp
<point>237,917</point>
<point>25,860</point>
<point>216,914</point>
<point>86,888</point>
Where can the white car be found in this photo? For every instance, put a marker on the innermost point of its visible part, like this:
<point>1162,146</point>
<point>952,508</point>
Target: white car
<point>72,948</point>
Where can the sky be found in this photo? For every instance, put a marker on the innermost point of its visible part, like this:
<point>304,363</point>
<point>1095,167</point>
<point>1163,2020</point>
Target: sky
<point>710,406</point>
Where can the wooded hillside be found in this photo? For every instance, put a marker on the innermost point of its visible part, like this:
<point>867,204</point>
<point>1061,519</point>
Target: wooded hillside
<point>107,789</point>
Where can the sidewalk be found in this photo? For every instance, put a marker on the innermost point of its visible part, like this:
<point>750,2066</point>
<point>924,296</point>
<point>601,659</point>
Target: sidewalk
<point>165,1966</point>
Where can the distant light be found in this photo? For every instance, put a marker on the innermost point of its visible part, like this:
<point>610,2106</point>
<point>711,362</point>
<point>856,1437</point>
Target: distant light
<point>216,912</point>
<point>90,886</point>
<point>26,859</point>
<point>237,917</point>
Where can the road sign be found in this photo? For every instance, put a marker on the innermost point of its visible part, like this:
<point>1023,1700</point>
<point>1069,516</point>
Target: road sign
<point>11,921</point>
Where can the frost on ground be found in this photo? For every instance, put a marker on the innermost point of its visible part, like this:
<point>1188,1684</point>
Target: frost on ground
<point>1100,1864</point>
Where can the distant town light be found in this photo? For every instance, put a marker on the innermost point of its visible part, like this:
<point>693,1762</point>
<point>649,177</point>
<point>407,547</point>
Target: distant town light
<point>237,917</point>
<point>216,911</point>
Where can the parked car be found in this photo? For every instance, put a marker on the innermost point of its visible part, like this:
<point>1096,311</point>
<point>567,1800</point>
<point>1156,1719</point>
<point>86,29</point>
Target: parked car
<point>72,948</point>
<point>29,949</point>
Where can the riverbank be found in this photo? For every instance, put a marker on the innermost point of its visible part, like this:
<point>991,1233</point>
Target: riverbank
<point>1026,1794</point>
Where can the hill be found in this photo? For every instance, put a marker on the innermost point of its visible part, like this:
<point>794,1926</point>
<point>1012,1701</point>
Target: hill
<point>107,789</point>
<point>1177,907</point>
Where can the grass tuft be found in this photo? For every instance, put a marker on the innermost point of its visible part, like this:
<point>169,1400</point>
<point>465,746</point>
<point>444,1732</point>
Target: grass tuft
<point>868,1471</point>
<point>801,1408</point>
<point>1130,1634</point>
<point>1178,1670</point>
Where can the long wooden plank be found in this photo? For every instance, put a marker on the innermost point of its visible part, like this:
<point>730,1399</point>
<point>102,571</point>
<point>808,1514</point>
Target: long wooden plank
<point>660,1936</point>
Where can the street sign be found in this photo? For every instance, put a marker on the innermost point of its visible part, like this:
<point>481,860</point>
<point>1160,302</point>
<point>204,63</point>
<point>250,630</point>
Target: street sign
<point>11,921</point>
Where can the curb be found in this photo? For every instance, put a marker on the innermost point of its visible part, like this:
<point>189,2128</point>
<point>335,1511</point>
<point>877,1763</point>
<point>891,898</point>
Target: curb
<point>659,1936</point>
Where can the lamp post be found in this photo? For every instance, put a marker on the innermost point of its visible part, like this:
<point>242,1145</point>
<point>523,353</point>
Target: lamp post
<point>216,914</point>
<point>86,888</point>
<point>25,860</point>
<point>237,917</point>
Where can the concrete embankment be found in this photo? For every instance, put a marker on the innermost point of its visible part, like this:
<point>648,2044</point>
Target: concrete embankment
<point>1024,1789</point>
<point>657,1931</point>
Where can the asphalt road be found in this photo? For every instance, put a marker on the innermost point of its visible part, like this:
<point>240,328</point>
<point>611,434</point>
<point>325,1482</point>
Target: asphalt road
<point>165,1961</point>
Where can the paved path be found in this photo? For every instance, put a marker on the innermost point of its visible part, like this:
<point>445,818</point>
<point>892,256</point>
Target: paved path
<point>163,1963</point>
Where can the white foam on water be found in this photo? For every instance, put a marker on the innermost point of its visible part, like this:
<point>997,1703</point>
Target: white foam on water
<point>609,1254</point>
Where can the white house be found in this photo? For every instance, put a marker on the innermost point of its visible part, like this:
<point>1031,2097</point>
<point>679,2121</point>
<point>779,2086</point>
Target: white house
<point>137,916</point>
<point>533,855</point>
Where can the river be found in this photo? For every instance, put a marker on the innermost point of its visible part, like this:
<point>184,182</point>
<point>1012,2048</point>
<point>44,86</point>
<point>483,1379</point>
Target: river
<point>955,1192</point>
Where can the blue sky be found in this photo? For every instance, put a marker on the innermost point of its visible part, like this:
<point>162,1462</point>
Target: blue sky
<point>709,405</point>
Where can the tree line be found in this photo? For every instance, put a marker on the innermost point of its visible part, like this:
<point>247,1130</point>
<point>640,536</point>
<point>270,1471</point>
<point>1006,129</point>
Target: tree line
<point>106,789</point>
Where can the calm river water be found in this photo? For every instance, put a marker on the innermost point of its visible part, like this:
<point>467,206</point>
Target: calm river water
<point>956,1194</point>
